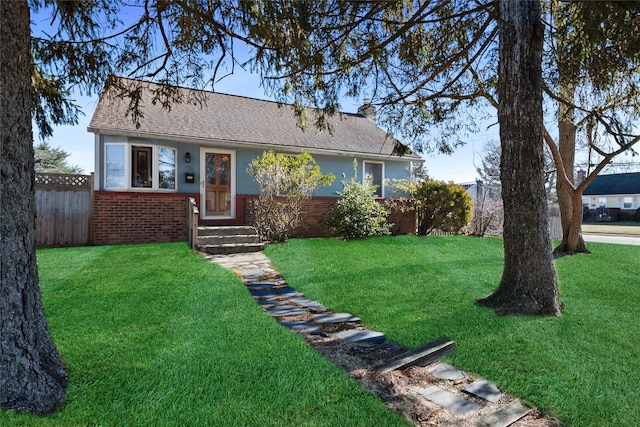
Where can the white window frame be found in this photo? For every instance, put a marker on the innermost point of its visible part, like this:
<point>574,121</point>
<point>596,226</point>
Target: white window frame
<point>155,159</point>
<point>364,175</point>
<point>623,202</point>
<point>600,205</point>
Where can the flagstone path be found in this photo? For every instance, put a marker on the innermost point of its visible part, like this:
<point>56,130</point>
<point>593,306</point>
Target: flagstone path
<point>414,383</point>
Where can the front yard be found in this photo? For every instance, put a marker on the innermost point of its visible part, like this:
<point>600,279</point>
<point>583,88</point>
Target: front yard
<point>156,335</point>
<point>583,367</point>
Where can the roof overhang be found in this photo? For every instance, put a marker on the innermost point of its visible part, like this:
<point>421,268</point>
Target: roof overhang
<point>248,144</point>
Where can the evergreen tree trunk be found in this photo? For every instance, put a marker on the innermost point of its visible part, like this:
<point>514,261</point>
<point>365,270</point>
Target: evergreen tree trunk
<point>32,376</point>
<point>528,284</point>
<point>569,198</point>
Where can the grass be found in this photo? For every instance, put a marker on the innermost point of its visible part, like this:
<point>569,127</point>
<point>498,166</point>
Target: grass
<point>582,367</point>
<point>154,335</point>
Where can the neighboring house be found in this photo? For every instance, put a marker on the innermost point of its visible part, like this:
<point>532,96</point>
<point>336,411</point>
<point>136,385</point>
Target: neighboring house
<point>611,197</point>
<point>143,175</point>
<point>480,190</point>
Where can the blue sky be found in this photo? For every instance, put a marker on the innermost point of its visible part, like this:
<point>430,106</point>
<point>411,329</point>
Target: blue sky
<point>79,143</point>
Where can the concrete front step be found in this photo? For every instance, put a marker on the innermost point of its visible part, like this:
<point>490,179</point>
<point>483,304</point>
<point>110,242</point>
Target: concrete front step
<point>228,239</point>
<point>225,240</point>
<point>227,249</point>
<point>229,230</point>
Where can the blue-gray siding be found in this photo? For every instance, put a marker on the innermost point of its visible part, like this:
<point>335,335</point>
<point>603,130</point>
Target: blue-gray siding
<point>394,167</point>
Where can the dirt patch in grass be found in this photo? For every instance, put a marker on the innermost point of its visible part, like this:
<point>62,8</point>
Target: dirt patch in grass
<point>616,229</point>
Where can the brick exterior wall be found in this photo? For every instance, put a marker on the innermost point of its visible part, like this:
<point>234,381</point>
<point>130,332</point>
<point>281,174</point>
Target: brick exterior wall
<point>128,217</point>
<point>137,217</point>
<point>314,221</point>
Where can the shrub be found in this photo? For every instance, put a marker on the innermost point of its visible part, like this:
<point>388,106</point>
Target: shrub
<point>488,216</point>
<point>356,214</point>
<point>285,183</point>
<point>438,205</point>
<point>636,215</point>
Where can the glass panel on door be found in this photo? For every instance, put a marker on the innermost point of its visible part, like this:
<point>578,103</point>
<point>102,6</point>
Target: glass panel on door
<point>218,184</point>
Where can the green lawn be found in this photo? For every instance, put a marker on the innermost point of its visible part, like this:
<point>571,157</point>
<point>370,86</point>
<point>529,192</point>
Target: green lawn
<point>583,367</point>
<point>154,335</point>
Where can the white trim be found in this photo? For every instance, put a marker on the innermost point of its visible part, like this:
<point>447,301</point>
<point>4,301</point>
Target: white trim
<point>248,144</point>
<point>97,177</point>
<point>381,186</point>
<point>203,177</point>
<point>155,159</point>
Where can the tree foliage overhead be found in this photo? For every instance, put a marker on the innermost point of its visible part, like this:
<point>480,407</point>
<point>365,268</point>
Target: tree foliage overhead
<point>591,71</point>
<point>418,62</point>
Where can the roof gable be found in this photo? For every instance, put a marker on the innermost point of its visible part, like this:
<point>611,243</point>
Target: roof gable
<point>237,119</point>
<point>619,183</point>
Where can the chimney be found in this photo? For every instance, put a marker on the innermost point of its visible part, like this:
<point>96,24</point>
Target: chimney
<point>367,109</point>
<point>581,176</point>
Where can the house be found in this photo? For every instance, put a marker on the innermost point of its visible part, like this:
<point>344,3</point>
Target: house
<point>613,197</point>
<point>481,191</point>
<point>145,172</point>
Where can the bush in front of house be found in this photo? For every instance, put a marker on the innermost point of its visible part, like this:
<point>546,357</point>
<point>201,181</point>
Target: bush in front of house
<point>636,215</point>
<point>285,183</point>
<point>356,214</point>
<point>438,205</point>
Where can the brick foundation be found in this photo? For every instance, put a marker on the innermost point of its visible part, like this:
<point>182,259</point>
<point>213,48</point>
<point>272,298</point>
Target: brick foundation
<point>127,217</point>
<point>138,217</point>
<point>314,221</point>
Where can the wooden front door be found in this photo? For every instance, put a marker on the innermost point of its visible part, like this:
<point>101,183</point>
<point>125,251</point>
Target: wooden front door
<point>218,179</point>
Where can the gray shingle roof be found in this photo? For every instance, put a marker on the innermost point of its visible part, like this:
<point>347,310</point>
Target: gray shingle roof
<point>619,183</point>
<point>240,120</point>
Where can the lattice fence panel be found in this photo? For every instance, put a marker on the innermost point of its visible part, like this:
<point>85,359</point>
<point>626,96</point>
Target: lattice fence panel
<point>62,180</point>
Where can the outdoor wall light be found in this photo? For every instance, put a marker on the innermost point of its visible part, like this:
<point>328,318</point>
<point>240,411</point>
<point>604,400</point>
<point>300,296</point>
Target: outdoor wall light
<point>187,157</point>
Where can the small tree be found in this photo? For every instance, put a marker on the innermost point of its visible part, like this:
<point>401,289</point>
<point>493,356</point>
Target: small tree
<point>357,214</point>
<point>53,160</point>
<point>488,214</point>
<point>285,183</point>
<point>438,205</point>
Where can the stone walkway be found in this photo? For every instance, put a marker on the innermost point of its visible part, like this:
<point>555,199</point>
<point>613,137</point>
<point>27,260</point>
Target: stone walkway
<point>424,391</point>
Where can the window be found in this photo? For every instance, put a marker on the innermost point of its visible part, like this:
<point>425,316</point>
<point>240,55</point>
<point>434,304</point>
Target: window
<point>167,168</point>
<point>627,203</point>
<point>374,175</point>
<point>148,167</point>
<point>115,166</point>
<point>602,202</point>
<point>141,170</point>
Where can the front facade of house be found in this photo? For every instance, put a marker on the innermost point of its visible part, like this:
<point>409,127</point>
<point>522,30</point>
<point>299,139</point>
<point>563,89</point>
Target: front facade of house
<point>144,174</point>
<point>613,197</point>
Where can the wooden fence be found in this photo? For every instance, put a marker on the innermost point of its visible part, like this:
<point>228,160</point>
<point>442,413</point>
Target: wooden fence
<point>555,226</point>
<point>63,209</point>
